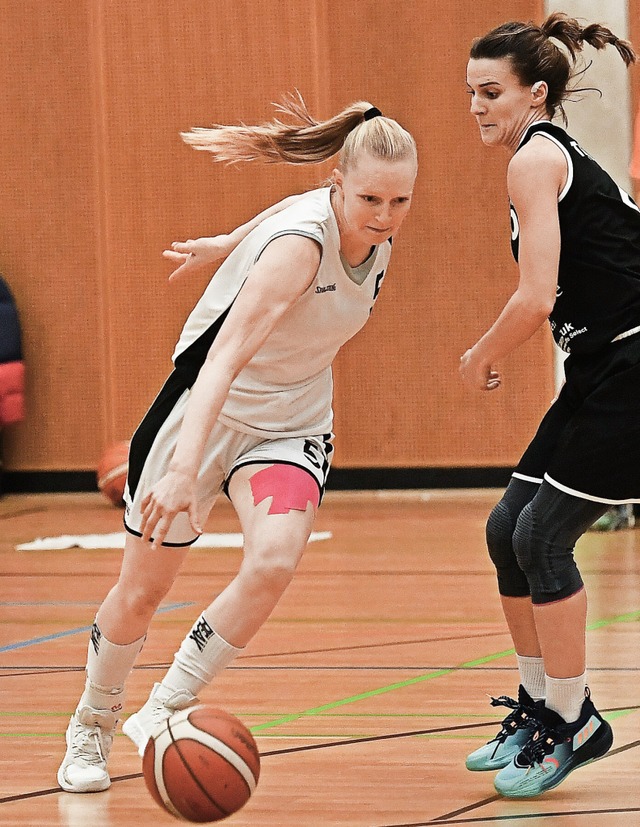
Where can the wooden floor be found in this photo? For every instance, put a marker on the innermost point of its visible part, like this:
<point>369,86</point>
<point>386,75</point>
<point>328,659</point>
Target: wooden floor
<point>365,690</point>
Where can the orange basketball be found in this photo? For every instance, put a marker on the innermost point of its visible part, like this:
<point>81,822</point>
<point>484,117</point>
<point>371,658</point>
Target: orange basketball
<point>112,471</point>
<point>202,765</point>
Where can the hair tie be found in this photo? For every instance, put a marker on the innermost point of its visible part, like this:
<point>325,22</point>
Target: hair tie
<point>374,112</point>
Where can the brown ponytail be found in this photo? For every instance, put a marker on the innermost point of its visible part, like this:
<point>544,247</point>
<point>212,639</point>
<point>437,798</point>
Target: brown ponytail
<point>534,56</point>
<point>573,36</point>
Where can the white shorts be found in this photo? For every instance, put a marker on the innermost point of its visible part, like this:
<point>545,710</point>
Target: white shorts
<point>226,450</point>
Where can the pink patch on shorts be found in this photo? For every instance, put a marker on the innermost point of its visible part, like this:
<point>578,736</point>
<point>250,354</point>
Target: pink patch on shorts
<point>290,487</point>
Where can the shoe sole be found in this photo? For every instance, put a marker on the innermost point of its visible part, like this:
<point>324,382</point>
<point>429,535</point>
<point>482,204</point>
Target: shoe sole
<point>558,778</point>
<point>95,787</point>
<point>92,787</point>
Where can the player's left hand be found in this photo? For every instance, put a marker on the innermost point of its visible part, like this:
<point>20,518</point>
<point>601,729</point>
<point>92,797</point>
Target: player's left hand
<point>477,374</point>
<point>196,255</point>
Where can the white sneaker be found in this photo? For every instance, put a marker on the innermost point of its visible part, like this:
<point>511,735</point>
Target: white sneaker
<point>161,705</point>
<point>89,737</point>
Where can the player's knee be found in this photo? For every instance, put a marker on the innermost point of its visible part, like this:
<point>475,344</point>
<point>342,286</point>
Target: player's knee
<point>500,527</point>
<point>140,600</point>
<point>545,558</point>
<point>269,565</point>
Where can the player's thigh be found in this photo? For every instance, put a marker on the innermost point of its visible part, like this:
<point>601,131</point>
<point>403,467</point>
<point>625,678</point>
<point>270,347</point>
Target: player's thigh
<point>276,504</point>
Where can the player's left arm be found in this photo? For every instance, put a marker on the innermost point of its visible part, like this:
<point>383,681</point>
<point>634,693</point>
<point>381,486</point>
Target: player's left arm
<point>197,255</point>
<point>536,176</point>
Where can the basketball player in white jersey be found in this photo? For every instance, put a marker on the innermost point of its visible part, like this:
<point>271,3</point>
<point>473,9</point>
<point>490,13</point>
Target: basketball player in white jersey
<point>576,237</point>
<point>247,410</point>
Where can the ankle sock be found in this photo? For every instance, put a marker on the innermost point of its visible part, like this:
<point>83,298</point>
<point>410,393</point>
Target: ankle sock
<point>108,666</point>
<point>566,696</point>
<point>202,655</point>
<point>532,676</point>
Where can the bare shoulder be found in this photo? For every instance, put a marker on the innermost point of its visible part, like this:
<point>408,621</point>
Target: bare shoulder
<point>287,265</point>
<point>292,249</point>
<point>540,165</point>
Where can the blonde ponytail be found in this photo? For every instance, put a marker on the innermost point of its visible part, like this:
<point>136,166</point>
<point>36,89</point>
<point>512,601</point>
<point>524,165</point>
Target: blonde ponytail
<point>304,140</point>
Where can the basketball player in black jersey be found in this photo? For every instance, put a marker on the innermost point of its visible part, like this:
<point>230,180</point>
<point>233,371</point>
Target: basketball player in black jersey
<point>576,238</point>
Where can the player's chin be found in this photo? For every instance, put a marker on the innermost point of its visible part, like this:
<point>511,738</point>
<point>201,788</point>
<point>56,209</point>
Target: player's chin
<point>489,137</point>
<point>381,237</point>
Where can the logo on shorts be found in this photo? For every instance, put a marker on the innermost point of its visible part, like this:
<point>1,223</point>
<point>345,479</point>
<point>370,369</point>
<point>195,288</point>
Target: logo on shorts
<point>201,633</point>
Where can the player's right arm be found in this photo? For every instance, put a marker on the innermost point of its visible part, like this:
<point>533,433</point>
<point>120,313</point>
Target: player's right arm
<point>197,255</point>
<point>536,175</point>
<point>276,281</point>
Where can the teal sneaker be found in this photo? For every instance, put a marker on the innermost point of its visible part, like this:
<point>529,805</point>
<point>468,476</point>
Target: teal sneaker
<point>515,731</point>
<point>555,749</point>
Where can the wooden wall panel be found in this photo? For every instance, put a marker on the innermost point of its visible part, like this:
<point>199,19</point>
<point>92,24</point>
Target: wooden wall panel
<point>106,87</point>
<point>399,400</point>
<point>48,226</point>
<point>191,65</point>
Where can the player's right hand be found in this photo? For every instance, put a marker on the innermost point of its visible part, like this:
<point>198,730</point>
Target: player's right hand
<point>172,494</point>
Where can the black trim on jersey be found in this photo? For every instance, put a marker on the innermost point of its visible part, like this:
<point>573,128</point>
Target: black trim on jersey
<point>196,353</point>
<point>185,373</point>
<point>177,383</point>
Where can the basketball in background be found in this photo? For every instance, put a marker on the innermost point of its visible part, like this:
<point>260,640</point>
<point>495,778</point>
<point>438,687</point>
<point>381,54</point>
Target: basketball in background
<point>112,471</point>
<point>202,765</point>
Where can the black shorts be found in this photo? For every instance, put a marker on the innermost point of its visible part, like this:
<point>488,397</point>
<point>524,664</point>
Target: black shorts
<point>588,443</point>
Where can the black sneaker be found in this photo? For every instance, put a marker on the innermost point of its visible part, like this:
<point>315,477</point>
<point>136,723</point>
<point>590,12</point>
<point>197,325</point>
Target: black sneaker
<point>514,733</point>
<point>554,749</point>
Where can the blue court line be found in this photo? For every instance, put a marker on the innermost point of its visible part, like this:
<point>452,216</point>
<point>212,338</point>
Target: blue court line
<point>22,644</point>
<point>49,603</point>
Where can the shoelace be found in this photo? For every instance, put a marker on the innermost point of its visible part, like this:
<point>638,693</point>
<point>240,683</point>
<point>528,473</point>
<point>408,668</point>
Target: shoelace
<point>159,713</point>
<point>541,743</point>
<point>517,719</point>
<point>87,744</point>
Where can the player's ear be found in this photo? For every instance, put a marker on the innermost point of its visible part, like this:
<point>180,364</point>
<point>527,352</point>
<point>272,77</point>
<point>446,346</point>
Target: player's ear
<point>539,92</point>
<point>337,177</point>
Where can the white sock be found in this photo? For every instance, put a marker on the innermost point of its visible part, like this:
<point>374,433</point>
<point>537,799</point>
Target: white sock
<point>532,676</point>
<point>202,655</point>
<point>566,696</point>
<point>108,666</point>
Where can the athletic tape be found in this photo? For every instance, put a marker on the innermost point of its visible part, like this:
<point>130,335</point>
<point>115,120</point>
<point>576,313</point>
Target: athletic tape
<point>291,488</point>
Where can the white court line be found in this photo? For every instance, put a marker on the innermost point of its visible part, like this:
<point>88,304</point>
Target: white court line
<point>91,541</point>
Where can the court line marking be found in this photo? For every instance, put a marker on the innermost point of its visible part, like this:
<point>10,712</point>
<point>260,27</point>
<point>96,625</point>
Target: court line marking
<point>438,673</point>
<point>22,644</point>
<point>627,617</point>
<point>514,816</point>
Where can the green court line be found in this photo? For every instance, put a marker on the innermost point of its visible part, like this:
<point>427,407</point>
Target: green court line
<point>285,719</point>
<point>619,713</point>
<point>439,673</point>
<point>625,618</point>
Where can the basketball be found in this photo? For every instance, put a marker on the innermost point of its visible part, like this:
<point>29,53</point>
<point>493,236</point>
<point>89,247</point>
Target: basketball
<point>202,765</point>
<point>112,471</point>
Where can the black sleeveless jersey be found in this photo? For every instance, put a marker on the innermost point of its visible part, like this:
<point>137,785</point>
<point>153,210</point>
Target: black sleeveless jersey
<point>598,293</point>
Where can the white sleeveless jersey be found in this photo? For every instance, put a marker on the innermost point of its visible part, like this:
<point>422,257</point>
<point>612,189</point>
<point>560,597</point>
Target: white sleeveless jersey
<point>286,388</point>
